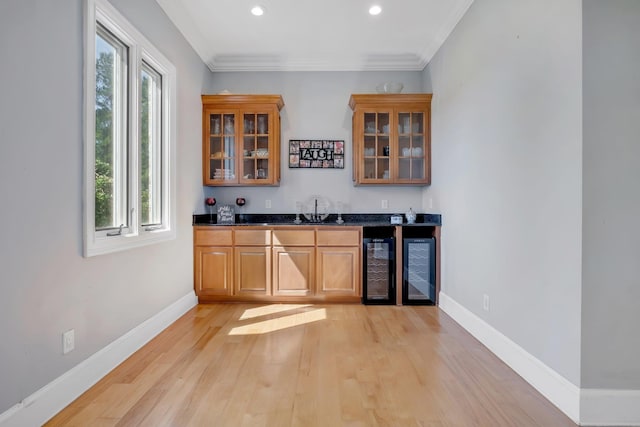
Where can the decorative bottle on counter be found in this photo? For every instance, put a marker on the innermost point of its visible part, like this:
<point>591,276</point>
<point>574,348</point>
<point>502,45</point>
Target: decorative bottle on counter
<point>411,216</point>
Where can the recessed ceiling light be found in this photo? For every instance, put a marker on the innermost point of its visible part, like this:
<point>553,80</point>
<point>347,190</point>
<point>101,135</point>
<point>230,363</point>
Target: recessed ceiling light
<point>257,10</point>
<point>375,10</point>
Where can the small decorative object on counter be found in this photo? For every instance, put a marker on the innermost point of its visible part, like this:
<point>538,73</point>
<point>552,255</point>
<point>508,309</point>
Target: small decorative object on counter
<point>411,216</point>
<point>226,215</point>
<point>210,202</point>
<point>298,211</point>
<point>240,201</point>
<point>339,209</point>
<point>396,219</point>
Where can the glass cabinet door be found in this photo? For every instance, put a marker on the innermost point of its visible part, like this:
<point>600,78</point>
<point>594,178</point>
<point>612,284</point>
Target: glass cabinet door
<point>222,157</point>
<point>411,146</point>
<point>255,147</point>
<point>376,148</point>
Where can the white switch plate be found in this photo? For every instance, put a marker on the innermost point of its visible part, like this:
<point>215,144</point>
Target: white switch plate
<point>68,341</point>
<point>267,204</point>
<point>385,204</point>
<point>485,302</point>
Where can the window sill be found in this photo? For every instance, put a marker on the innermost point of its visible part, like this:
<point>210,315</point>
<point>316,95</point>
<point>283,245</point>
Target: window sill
<point>111,244</point>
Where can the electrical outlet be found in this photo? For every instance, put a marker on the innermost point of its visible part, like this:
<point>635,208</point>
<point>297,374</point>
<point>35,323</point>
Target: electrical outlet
<point>385,204</point>
<point>485,302</point>
<point>68,341</point>
<point>267,204</point>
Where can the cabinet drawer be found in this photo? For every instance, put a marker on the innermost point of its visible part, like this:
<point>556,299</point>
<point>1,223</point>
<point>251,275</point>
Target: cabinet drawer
<point>297,237</point>
<point>213,237</point>
<point>253,237</point>
<point>339,237</point>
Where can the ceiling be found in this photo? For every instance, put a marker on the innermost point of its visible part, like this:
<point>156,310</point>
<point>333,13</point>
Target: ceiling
<point>326,35</point>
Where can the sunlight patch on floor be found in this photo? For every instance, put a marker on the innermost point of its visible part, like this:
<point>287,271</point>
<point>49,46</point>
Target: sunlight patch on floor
<point>270,309</point>
<point>284,322</point>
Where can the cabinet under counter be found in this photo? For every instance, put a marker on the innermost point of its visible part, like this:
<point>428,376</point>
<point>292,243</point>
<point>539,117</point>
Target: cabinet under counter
<point>278,263</point>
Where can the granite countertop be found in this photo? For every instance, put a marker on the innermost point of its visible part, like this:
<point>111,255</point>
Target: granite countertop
<point>360,220</point>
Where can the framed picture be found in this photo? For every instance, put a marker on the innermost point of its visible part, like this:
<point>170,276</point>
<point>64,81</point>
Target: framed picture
<point>322,154</point>
<point>226,214</point>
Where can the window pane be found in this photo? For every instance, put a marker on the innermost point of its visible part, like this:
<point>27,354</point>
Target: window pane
<point>151,146</point>
<point>111,131</point>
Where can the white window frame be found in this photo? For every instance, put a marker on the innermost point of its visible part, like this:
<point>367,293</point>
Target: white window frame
<point>155,149</point>
<point>98,242</point>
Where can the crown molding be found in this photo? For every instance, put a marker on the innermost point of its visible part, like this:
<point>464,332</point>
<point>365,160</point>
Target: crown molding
<point>227,63</point>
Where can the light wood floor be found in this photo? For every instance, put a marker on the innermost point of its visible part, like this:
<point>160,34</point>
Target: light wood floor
<point>316,365</point>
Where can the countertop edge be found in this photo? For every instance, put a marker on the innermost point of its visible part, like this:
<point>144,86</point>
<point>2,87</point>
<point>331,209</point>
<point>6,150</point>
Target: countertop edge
<point>353,220</point>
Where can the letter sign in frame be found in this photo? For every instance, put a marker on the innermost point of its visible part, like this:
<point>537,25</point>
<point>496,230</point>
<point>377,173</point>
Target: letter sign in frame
<point>325,154</point>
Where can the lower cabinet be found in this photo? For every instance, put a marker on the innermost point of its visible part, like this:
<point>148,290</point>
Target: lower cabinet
<point>213,271</point>
<point>294,261</point>
<point>277,264</point>
<point>293,271</point>
<point>213,261</point>
<point>253,271</point>
<point>338,271</point>
<point>252,260</point>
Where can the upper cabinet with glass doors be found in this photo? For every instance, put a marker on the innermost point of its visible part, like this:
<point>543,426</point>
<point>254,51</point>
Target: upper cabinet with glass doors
<point>241,139</point>
<point>391,138</point>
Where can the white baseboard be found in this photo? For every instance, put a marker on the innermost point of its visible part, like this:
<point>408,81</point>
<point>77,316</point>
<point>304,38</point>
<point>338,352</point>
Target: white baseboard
<point>609,407</point>
<point>53,397</point>
<point>557,389</point>
<point>586,407</point>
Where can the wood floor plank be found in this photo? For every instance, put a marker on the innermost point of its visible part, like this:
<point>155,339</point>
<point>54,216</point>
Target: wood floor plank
<point>312,365</point>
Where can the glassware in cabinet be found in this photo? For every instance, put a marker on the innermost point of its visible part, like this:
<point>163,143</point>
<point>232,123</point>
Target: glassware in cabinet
<point>221,150</point>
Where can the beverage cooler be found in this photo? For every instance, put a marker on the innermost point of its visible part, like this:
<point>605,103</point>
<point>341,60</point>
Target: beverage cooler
<point>419,271</point>
<point>379,268</point>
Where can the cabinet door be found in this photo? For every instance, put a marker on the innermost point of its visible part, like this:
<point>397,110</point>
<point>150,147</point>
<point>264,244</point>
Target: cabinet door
<point>377,148</point>
<point>338,271</point>
<point>293,271</point>
<point>413,149</point>
<point>259,150</point>
<point>253,270</point>
<point>213,270</point>
<point>220,159</point>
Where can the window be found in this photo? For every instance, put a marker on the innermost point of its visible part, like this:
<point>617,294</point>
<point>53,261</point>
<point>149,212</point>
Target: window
<point>150,147</point>
<point>129,136</point>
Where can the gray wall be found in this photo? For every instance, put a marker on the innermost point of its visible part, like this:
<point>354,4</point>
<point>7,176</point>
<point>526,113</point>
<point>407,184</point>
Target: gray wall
<point>316,107</point>
<point>611,200</point>
<point>46,286</point>
<point>507,161</point>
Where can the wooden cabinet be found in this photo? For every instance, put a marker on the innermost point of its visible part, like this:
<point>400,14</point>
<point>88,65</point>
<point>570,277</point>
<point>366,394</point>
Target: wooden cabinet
<point>338,270</point>
<point>293,271</point>
<point>391,138</point>
<point>277,264</point>
<point>252,259</point>
<point>241,140</point>
<point>213,262</point>
<point>293,262</point>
